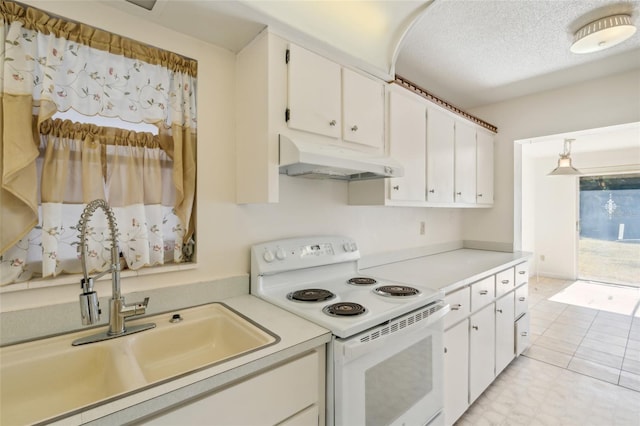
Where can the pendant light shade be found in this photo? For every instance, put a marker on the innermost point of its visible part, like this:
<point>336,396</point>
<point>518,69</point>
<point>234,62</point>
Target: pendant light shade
<point>603,33</point>
<point>564,162</point>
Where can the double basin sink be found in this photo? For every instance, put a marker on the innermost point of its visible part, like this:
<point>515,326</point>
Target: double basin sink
<point>47,378</point>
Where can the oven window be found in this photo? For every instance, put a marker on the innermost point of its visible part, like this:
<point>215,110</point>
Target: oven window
<point>393,386</point>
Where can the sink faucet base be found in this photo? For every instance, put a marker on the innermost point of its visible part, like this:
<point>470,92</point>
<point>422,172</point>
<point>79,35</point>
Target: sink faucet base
<point>106,336</point>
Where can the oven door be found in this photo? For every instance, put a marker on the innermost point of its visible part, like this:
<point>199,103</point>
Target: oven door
<point>391,374</point>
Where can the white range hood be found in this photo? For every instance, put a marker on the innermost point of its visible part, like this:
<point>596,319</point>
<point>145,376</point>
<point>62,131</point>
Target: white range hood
<point>325,161</point>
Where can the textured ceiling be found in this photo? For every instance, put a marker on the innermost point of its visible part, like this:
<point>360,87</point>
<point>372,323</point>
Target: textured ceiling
<point>477,52</point>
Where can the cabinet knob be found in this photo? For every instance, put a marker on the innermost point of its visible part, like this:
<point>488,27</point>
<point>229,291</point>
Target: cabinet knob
<point>475,327</point>
<point>522,299</point>
<point>458,193</point>
<point>499,310</point>
<point>479,195</point>
<point>354,128</point>
<point>396,187</point>
<point>483,292</point>
<point>445,350</point>
<point>332,123</point>
<point>505,281</point>
<point>432,191</point>
<point>456,307</point>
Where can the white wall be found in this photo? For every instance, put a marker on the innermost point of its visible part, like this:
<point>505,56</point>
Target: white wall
<point>598,103</point>
<point>225,230</point>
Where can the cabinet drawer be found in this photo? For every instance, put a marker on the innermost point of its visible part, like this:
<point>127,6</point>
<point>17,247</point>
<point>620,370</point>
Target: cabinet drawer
<point>522,273</point>
<point>504,282</point>
<point>522,300</point>
<point>460,303</point>
<point>482,292</point>
<point>522,334</point>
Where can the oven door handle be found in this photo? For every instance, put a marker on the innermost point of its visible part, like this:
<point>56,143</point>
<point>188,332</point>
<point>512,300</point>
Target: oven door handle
<point>359,345</point>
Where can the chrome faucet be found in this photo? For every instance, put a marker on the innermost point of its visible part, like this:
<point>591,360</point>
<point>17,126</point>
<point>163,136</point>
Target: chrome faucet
<point>89,303</point>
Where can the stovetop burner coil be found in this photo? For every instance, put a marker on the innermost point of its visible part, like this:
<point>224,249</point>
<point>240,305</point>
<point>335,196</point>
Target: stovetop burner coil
<point>344,309</point>
<point>396,291</point>
<point>311,295</point>
<point>362,281</point>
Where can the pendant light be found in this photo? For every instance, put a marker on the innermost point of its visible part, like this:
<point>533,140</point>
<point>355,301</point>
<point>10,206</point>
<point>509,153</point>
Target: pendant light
<point>564,162</point>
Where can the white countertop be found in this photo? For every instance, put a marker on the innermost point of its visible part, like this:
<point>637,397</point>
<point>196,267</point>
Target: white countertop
<point>296,337</point>
<point>450,270</point>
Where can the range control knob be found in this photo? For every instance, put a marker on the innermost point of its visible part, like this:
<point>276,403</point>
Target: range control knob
<point>268,256</point>
<point>281,254</point>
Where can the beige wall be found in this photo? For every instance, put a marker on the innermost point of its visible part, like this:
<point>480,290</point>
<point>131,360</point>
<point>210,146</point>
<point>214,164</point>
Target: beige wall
<point>226,230</point>
<point>598,103</point>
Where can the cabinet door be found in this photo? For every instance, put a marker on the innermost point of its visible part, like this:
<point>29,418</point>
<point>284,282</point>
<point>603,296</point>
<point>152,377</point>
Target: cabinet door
<point>465,163</point>
<point>505,282</point>
<point>456,372</point>
<point>522,300</point>
<point>460,303</point>
<point>483,292</point>
<point>484,172</point>
<point>362,109</point>
<point>482,351</point>
<point>505,346</point>
<point>407,144</point>
<point>314,93</point>
<point>522,334</point>
<point>440,151</point>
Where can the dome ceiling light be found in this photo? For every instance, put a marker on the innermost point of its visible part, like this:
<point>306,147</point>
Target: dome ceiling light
<point>603,33</point>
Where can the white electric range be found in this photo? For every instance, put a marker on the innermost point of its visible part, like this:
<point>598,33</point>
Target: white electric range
<point>375,323</point>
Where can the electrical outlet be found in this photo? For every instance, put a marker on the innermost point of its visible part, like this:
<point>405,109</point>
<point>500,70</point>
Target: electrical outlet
<point>422,228</point>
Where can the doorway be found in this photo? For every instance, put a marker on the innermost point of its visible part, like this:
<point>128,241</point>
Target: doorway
<point>609,229</point>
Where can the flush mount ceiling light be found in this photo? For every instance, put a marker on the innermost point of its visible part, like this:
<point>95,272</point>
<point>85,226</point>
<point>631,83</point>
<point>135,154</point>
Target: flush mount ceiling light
<point>603,33</point>
<point>564,162</point>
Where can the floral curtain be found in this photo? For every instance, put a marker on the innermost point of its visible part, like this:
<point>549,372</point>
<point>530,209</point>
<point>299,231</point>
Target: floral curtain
<point>51,65</point>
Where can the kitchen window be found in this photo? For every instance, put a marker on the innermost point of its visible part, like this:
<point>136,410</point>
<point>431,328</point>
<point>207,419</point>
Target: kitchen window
<point>52,167</point>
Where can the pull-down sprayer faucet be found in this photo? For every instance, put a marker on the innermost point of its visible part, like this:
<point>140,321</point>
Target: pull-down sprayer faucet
<point>89,304</point>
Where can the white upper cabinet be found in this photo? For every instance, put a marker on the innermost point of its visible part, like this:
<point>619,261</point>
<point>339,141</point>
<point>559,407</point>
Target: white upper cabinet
<point>327,99</point>
<point>440,156</point>
<point>362,109</point>
<point>465,163</point>
<point>484,181</point>
<point>407,144</point>
<point>314,93</point>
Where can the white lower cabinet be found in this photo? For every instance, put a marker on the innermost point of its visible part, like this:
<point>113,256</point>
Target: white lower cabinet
<point>480,342</point>
<point>505,346</point>
<point>522,334</point>
<point>482,350</point>
<point>456,371</point>
<point>290,394</point>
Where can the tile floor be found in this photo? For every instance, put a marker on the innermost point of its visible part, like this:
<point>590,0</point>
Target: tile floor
<point>583,368</point>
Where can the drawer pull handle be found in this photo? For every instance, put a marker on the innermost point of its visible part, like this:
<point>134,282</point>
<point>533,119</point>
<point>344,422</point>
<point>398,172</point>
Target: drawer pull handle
<point>523,334</point>
<point>499,310</point>
<point>522,272</point>
<point>396,187</point>
<point>483,292</point>
<point>445,350</point>
<point>332,123</point>
<point>475,327</point>
<point>354,128</point>
<point>456,307</point>
<point>505,281</point>
<point>522,299</point>
<point>432,191</point>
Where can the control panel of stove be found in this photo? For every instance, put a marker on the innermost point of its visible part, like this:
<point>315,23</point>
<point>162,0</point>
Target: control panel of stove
<point>297,253</point>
